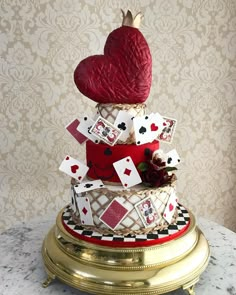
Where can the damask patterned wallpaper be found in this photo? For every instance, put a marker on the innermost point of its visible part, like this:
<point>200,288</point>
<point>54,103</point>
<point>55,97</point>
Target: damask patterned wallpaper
<point>193,44</point>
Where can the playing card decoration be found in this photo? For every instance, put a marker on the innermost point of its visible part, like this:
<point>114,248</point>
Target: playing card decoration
<point>172,158</point>
<point>170,208</point>
<point>148,127</point>
<point>72,129</point>
<point>124,122</point>
<point>74,168</point>
<point>114,214</point>
<point>85,128</point>
<point>168,131</point>
<point>124,73</point>
<point>147,212</point>
<point>73,199</point>
<point>127,172</point>
<point>84,210</point>
<point>105,131</point>
<point>88,186</point>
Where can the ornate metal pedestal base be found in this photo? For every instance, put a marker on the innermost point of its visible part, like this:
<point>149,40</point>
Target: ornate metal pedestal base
<point>135,270</point>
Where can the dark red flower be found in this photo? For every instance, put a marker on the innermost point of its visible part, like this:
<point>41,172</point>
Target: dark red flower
<point>154,177</point>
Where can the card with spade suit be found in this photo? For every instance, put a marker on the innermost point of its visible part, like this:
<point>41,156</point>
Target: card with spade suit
<point>168,131</point>
<point>74,168</point>
<point>88,186</point>
<point>127,172</point>
<point>172,158</point>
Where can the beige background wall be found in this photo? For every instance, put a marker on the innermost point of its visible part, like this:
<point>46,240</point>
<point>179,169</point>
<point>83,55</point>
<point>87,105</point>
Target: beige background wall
<point>193,44</point>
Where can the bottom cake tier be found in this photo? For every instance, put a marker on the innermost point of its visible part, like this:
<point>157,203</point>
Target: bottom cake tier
<point>155,263</point>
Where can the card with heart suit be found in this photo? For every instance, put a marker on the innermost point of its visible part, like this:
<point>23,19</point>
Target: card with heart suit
<point>88,186</point>
<point>156,123</point>
<point>168,131</point>
<point>124,122</point>
<point>170,208</point>
<point>85,210</point>
<point>147,128</point>
<point>114,214</point>
<point>74,168</point>
<point>172,158</point>
<point>127,172</point>
<point>72,129</point>
<point>85,128</point>
<point>147,212</point>
<point>105,131</point>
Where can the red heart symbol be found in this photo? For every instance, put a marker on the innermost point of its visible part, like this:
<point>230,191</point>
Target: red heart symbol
<point>122,75</point>
<point>67,158</point>
<point>154,127</point>
<point>74,168</point>
<point>171,207</point>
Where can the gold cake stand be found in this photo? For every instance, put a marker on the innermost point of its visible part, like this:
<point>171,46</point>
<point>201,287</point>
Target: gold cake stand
<point>103,270</point>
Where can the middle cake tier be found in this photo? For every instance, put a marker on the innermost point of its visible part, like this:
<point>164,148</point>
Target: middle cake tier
<point>100,158</point>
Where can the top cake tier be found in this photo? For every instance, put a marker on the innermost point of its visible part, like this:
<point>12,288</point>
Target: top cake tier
<point>123,73</point>
<point>110,111</point>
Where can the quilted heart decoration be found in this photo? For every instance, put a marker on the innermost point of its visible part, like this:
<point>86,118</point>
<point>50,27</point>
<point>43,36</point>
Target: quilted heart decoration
<point>123,73</point>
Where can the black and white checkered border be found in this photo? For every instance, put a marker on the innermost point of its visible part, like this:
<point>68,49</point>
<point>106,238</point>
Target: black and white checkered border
<point>182,221</point>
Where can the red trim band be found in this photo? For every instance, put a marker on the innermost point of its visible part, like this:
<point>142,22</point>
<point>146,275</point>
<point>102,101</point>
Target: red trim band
<point>123,244</point>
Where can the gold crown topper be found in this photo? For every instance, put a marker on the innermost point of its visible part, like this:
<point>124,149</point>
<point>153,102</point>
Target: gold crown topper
<point>130,20</point>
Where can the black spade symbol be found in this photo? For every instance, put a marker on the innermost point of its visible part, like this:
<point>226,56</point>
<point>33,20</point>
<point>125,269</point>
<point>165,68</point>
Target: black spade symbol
<point>89,129</point>
<point>142,130</point>
<point>147,152</point>
<point>169,160</point>
<point>88,185</point>
<point>108,152</point>
<point>122,126</point>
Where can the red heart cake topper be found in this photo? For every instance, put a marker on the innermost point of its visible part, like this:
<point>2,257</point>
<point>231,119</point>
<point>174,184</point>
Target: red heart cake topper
<point>123,74</point>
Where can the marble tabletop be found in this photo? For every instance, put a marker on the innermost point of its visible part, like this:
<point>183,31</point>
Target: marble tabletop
<point>22,270</point>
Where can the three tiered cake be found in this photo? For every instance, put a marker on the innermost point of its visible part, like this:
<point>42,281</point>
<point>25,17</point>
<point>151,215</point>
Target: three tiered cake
<point>124,231</point>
